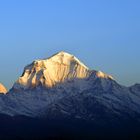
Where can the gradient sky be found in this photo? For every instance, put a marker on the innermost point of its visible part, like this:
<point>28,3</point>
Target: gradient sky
<point>104,34</point>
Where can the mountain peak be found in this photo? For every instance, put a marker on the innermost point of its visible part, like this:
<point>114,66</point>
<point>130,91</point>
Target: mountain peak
<point>66,59</point>
<point>3,89</point>
<point>59,68</point>
<point>53,70</point>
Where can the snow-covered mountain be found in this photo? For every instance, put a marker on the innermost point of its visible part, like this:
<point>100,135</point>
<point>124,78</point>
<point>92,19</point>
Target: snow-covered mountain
<point>3,89</point>
<point>59,68</point>
<point>48,72</point>
<point>63,87</point>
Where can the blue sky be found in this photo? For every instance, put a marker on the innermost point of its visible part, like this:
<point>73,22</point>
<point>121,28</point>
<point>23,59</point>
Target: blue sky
<point>104,34</point>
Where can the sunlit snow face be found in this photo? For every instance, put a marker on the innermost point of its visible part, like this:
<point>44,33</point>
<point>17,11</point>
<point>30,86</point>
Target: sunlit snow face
<point>3,89</point>
<point>59,68</point>
<point>56,69</point>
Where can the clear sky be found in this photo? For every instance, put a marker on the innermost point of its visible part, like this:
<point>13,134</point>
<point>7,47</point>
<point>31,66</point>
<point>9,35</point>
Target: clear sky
<point>104,34</point>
